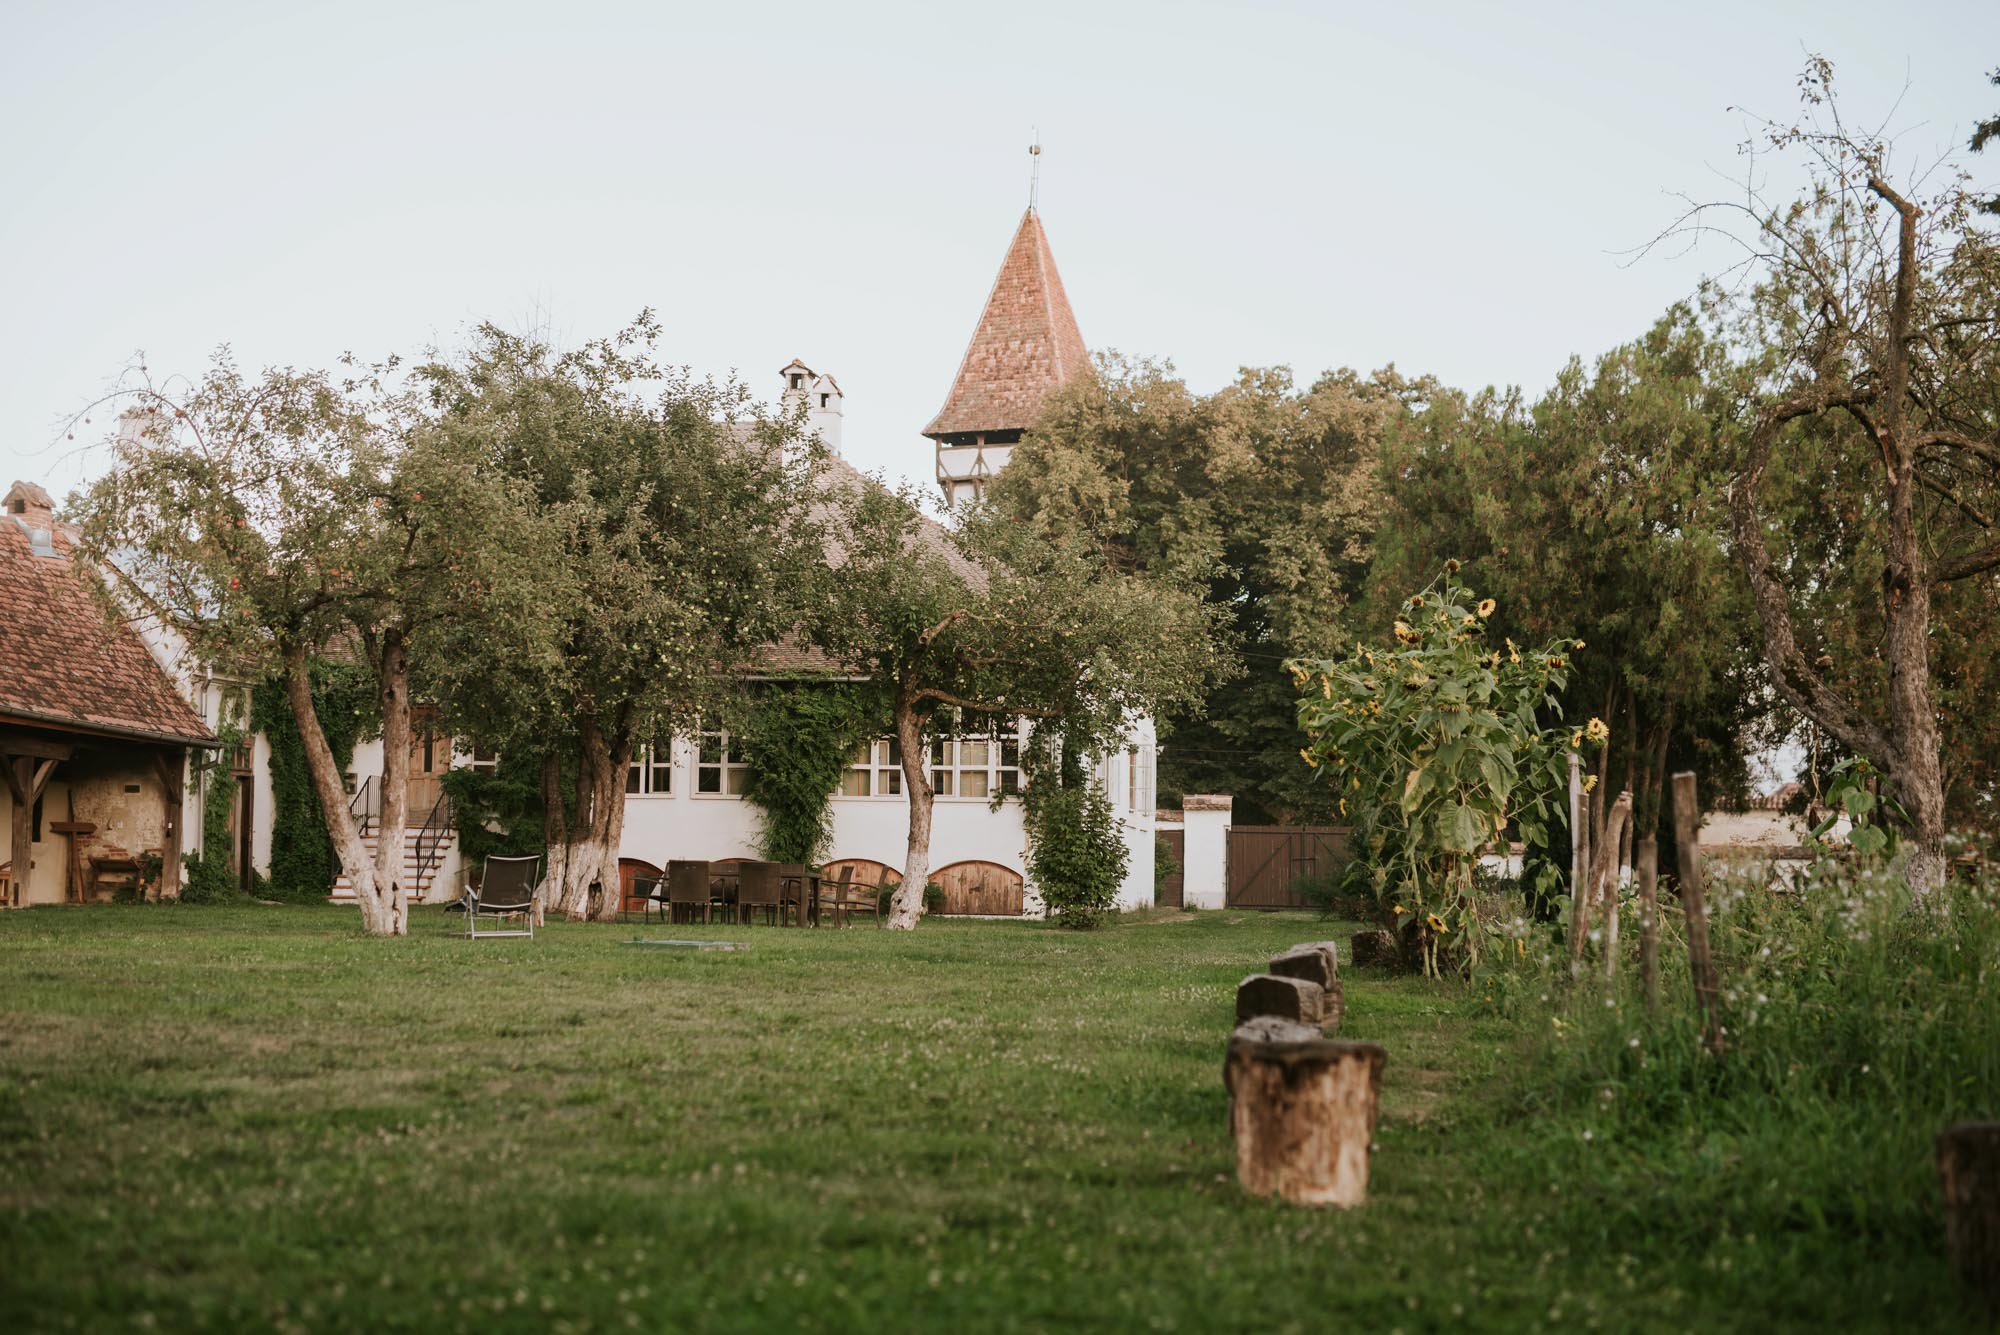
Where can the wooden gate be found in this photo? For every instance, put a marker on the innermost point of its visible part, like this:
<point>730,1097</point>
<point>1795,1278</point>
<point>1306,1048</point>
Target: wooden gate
<point>1267,861</point>
<point>983,888</point>
<point>1173,885</point>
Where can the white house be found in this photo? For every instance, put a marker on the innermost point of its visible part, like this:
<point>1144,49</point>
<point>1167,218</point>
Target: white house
<point>684,799</point>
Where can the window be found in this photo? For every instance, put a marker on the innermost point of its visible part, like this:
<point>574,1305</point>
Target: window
<point>1139,777</point>
<point>484,761</point>
<point>798,381</point>
<point>717,769</point>
<point>825,399</point>
<point>651,773</point>
<point>976,765</point>
<point>877,770</point>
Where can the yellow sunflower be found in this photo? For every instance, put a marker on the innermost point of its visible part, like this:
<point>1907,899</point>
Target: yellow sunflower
<point>1486,606</point>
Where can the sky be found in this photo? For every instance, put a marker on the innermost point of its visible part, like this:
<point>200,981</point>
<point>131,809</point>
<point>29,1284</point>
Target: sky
<point>1455,189</point>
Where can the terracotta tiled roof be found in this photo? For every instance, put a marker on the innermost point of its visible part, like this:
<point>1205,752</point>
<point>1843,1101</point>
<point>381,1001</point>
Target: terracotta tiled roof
<point>1026,344</point>
<point>837,479</point>
<point>61,661</point>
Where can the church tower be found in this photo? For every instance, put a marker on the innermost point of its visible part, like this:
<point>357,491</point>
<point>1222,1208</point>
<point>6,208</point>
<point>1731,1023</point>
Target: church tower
<point>1025,345</point>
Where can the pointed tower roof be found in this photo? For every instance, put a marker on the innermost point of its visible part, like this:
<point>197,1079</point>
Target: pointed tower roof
<point>1025,345</point>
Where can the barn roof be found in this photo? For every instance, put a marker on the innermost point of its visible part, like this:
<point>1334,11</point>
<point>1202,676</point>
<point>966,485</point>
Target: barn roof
<point>68,666</point>
<point>1026,344</point>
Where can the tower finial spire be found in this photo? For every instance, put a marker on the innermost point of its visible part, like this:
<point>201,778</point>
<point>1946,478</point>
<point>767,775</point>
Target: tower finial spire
<point>1035,171</point>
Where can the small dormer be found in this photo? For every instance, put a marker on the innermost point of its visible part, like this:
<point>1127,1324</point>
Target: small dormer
<point>821,396</point>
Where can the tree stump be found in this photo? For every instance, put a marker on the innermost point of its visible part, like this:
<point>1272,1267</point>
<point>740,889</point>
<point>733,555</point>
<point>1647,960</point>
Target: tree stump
<point>1316,962</point>
<point>1302,1112</point>
<point>1969,1169</point>
<point>1377,947</point>
<point>1293,999</point>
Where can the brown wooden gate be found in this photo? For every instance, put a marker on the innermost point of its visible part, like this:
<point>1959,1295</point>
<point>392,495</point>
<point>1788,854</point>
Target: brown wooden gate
<point>980,889</point>
<point>1266,862</point>
<point>1174,885</point>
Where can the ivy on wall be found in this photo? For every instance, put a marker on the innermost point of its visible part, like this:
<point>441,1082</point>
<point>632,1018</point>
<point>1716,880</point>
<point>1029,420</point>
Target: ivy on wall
<point>303,863</point>
<point>799,737</point>
<point>209,879</point>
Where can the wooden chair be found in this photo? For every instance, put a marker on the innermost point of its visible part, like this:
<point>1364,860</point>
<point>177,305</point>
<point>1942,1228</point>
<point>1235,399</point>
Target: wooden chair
<point>689,890</point>
<point>757,887</point>
<point>506,886</point>
<point>796,890</point>
<point>851,898</point>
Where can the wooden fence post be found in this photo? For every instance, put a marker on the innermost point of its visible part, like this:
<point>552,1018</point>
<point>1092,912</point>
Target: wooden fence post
<point>1969,1170</point>
<point>1647,854</point>
<point>1302,1111</point>
<point>1579,858</point>
<point>1701,964</point>
<point>1609,875</point>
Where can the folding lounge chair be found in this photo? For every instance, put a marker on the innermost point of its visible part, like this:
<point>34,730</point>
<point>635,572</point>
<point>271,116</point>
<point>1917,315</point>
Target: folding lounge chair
<point>507,885</point>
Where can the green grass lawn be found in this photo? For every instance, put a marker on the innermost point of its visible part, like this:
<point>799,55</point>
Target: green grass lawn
<point>256,1117</point>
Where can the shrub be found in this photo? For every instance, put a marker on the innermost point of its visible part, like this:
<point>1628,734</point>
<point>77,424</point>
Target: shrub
<point>1074,853</point>
<point>933,898</point>
<point>1164,865</point>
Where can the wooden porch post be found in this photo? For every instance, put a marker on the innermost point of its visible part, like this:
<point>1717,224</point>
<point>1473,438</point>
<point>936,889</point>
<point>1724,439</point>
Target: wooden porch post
<point>172,767</point>
<point>26,775</point>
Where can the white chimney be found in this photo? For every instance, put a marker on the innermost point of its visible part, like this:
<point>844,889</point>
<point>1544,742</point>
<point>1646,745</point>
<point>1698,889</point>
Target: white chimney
<point>821,396</point>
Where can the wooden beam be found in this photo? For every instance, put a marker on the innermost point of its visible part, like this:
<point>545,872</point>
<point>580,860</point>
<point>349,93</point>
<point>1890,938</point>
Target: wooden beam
<point>14,742</point>
<point>20,845</point>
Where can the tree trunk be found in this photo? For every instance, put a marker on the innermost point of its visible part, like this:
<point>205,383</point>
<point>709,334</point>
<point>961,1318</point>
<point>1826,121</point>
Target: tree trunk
<point>908,902</point>
<point>1302,1112</point>
<point>392,675</point>
<point>327,786</point>
<point>555,830</point>
<point>612,830</point>
<point>580,861</point>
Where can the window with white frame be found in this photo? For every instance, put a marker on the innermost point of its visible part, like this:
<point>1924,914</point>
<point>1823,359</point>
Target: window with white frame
<point>1139,778</point>
<point>977,764</point>
<point>484,761</point>
<point>877,770</point>
<point>651,773</point>
<point>719,769</point>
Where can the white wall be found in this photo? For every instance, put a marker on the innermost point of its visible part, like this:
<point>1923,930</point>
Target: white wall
<point>1205,868</point>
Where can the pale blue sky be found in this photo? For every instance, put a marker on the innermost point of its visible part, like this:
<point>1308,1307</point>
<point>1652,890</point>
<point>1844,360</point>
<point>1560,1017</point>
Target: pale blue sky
<point>1444,187</point>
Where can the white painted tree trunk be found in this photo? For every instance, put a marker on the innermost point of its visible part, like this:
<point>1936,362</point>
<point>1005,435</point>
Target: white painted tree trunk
<point>378,915</point>
<point>906,906</point>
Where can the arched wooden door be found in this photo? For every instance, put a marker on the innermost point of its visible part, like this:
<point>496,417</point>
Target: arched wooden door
<point>980,888</point>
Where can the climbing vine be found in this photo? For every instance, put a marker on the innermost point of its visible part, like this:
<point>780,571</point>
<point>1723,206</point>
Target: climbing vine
<point>303,863</point>
<point>799,737</point>
<point>208,879</point>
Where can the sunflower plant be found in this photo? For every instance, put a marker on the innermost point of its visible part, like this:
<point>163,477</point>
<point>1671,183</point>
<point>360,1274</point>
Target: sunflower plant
<point>1437,745</point>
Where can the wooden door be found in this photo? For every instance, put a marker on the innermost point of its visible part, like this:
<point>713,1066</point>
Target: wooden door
<point>1173,885</point>
<point>430,757</point>
<point>980,888</point>
<point>1267,861</point>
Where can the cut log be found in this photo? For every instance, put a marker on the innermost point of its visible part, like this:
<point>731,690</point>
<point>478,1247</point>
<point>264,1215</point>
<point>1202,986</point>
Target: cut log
<point>1969,1169</point>
<point>1302,1112</point>
<point>1294,999</point>
<point>1375,947</point>
<point>1316,962</point>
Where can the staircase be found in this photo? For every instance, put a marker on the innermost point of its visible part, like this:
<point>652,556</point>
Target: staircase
<point>418,871</point>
